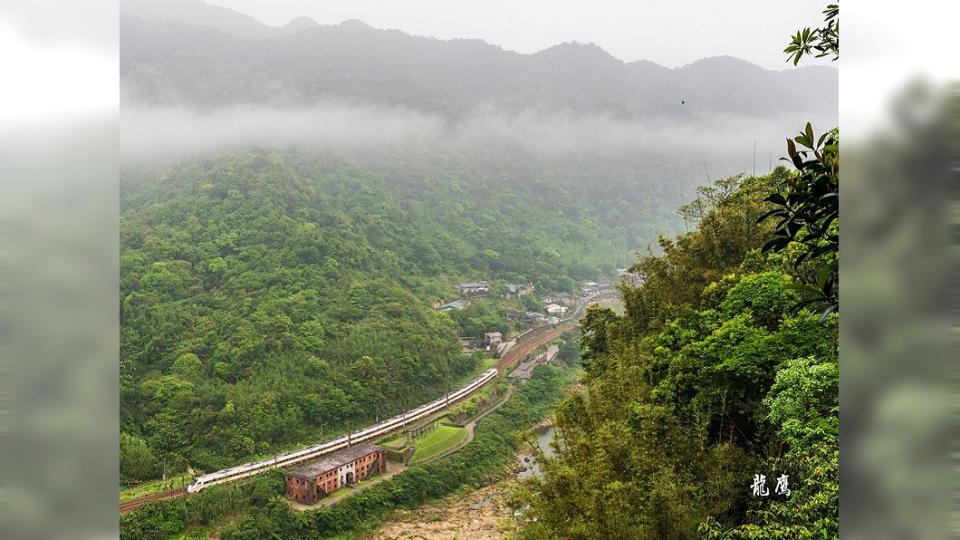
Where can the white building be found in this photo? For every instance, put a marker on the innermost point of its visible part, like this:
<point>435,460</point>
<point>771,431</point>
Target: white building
<point>556,309</point>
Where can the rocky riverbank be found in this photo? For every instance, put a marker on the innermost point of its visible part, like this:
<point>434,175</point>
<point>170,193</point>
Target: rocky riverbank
<point>479,515</point>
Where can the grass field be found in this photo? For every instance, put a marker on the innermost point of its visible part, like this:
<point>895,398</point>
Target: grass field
<point>154,486</point>
<point>436,442</point>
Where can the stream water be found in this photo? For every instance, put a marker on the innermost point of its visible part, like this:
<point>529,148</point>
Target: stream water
<point>544,438</point>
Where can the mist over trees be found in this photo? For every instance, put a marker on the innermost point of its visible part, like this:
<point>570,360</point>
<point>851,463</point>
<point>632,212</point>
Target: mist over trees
<point>294,200</point>
<point>722,376</point>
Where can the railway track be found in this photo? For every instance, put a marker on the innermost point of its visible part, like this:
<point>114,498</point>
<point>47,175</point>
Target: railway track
<point>503,366</point>
<point>526,347</point>
<point>133,504</point>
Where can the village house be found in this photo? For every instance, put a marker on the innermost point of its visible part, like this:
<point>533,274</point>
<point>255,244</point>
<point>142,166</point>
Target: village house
<point>590,287</point>
<point>533,316</point>
<point>562,298</point>
<point>516,291</point>
<point>310,482</point>
<point>524,371</point>
<point>556,309</point>
<point>469,344</point>
<point>456,304</point>
<point>492,340</point>
<point>474,289</point>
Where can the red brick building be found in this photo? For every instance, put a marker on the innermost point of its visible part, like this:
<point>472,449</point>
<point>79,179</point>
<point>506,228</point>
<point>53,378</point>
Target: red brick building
<point>313,481</point>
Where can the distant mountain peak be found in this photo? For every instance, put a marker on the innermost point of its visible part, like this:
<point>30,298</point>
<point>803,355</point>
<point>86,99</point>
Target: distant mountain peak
<point>301,23</point>
<point>725,61</point>
<point>575,51</point>
<point>355,24</point>
<point>197,13</point>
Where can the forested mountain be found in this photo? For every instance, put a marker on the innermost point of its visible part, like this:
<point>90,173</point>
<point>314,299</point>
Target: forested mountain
<point>714,376</point>
<point>208,61</point>
<point>296,198</point>
<point>268,296</point>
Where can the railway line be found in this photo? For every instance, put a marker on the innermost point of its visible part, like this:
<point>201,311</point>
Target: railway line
<point>133,504</point>
<point>373,432</point>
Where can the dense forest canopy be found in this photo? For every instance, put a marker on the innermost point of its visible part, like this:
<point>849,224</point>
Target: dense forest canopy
<point>269,298</point>
<point>711,408</point>
<point>295,201</point>
<point>715,374</point>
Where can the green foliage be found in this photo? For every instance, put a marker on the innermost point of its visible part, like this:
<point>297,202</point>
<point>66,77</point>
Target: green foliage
<point>593,341</point>
<point>807,212</point>
<point>266,515</point>
<point>163,519</point>
<point>825,40</point>
<point>804,402</point>
<point>691,263</point>
<point>269,300</point>
<point>766,296</point>
<point>137,461</point>
<point>808,203</point>
<point>710,377</point>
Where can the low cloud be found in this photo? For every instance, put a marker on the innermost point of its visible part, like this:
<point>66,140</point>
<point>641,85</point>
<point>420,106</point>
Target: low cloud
<point>150,133</point>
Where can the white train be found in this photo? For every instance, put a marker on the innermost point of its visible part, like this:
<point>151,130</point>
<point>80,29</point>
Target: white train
<point>318,450</point>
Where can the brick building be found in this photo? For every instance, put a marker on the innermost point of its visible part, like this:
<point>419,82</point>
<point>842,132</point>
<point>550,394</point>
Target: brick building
<point>313,481</point>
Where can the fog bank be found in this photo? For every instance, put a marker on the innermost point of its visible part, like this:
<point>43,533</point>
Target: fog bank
<point>170,134</point>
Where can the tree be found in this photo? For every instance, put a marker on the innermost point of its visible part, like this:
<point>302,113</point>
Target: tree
<point>808,203</point>
<point>137,461</point>
<point>188,367</point>
<point>825,40</point>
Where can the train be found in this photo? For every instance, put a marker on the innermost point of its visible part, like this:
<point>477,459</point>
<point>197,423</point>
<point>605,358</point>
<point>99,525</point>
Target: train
<point>312,452</point>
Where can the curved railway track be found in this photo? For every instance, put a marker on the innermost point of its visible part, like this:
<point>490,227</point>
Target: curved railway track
<point>503,366</point>
<point>133,504</point>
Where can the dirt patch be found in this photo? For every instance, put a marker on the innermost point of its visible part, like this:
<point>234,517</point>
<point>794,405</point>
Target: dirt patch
<point>479,515</point>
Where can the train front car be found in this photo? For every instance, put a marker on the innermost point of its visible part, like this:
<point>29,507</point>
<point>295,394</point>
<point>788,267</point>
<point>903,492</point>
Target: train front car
<point>195,486</point>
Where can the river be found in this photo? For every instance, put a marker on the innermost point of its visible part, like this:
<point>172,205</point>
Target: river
<point>544,438</point>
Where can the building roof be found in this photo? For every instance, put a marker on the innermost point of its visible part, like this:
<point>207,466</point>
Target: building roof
<point>312,470</point>
<point>473,285</point>
<point>523,371</point>
<point>456,304</point>
<point>493,334</point>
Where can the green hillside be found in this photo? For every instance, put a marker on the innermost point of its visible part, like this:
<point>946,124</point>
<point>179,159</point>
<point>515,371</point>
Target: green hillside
<point>269,299</point>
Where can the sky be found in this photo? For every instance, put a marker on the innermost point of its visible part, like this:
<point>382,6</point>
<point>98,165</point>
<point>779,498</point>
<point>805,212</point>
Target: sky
<point>672,33</point>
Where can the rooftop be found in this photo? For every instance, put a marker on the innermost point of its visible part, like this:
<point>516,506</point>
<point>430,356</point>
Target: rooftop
<point>350,454</point>
<point>456,304</point>
<point>523,371</point>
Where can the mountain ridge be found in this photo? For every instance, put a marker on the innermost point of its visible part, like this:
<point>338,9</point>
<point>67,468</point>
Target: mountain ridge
<point>228,21</point>
<point>203,67</point>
